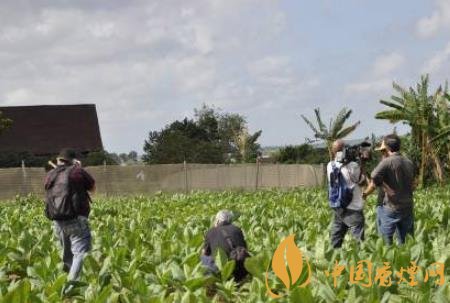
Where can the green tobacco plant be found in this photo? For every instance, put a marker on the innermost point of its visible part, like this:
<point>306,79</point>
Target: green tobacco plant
<point>147,249</point>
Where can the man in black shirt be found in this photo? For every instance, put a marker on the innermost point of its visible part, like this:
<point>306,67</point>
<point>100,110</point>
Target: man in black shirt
<point>395,174</point>
<point>230,239</point>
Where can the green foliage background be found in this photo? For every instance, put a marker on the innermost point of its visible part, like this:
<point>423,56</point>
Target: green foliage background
<point>146,249</point>
<point>211,137</point>
<point>303,154</point>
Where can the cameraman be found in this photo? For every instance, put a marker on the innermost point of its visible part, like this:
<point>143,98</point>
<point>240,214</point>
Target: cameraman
<point>395,174</point>
<point>352,216</point>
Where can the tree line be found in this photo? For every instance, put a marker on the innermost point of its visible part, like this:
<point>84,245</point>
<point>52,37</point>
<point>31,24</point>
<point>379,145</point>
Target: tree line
<point>426,113</point>
<point>211,136</point>
<point>214,136</point>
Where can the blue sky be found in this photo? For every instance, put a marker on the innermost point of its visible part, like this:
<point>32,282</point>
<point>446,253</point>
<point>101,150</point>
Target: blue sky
<point>146,63</point>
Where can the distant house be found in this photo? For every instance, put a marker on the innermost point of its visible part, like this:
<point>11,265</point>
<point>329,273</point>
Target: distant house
<point>46,129</point>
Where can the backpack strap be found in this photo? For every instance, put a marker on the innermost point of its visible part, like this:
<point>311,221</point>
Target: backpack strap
<point>53,175</point>
<point>346,174</point>
<point>56,172</point>
<point>334,166</point>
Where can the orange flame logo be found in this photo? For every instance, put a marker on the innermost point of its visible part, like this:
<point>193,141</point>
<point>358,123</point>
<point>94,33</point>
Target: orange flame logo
<point>287,257</point>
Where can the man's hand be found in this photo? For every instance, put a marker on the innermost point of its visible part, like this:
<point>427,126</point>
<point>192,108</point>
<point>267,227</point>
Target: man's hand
<point>363,180</point>
<point>389,191</point>
<point>370,189</point>
<point>366,194</point>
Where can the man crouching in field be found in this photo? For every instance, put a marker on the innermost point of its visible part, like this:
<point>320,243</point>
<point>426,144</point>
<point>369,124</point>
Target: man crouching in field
<point>67,204</point>
<point>395,174</point>
<point>345,195</point>
<point>228,237</point>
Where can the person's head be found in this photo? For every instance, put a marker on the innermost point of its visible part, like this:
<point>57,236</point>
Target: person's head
<point>66,156</point>
<point>391,144</point>
<point>223,217</point>
<point>337,146</point>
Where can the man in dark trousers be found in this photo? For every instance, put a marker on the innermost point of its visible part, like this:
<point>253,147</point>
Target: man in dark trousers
<point>68,205</point>
<point>395,174</point>
<point>350,218</point>
<point>230,239</point>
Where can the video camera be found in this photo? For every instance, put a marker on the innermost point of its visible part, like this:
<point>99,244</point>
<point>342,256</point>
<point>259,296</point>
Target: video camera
<point>358,153</point>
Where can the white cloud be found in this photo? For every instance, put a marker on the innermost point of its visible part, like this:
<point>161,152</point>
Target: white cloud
<point>380,78</point>
<point>274,70</point>
<point>369,86</point>
<point>438,62</point>
<point>102,30</point>
<point>147,63</point>
<point>386,64</point>
<point>439,19</point>
<point>270,82</point>
<point>269,66</point>
<point>19,95</point>
<point>203,39</point>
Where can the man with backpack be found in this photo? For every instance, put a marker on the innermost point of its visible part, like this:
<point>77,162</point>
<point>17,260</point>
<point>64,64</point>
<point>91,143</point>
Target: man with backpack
<point>345,196</point>
<point>228,237</point>
<point>395,174</point>
<point>67,203</point>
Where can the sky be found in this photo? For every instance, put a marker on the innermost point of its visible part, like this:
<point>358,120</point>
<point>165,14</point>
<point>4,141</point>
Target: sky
<point>147,63</point>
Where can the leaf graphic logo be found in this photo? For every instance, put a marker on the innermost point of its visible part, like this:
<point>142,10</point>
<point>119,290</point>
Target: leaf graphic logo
<point>287,264</point>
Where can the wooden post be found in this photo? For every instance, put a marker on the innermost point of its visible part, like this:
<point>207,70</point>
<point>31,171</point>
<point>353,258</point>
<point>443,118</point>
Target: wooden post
<point>279,175</point>
<point>257,173</point>
<point>218,178</point>
<point>185,177</point>
<point>24,179</point>
<point>105,179</point>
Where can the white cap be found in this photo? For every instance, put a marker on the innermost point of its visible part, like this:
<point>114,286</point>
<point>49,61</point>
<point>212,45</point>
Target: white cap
<point>223,217</point>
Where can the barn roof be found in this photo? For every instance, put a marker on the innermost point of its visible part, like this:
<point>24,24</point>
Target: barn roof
<point>46,129</point>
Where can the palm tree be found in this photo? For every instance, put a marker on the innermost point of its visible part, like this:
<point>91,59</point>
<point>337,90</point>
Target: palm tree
<point>419,110</point>
<point>334,131</point>
<point>246,143</point>
<point>441,136</point>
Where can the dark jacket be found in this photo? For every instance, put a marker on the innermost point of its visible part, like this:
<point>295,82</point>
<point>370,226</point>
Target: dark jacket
<point>216,238</point>
<point>80,182</point>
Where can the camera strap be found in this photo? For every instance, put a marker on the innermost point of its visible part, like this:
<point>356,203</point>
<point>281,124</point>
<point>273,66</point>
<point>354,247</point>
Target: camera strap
<point>348,175</point>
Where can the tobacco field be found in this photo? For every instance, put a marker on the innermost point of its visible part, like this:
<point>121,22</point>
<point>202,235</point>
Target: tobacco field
<point>146,249</point>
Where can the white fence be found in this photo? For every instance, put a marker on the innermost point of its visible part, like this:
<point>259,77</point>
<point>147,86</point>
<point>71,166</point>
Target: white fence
<point>146,179</point>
